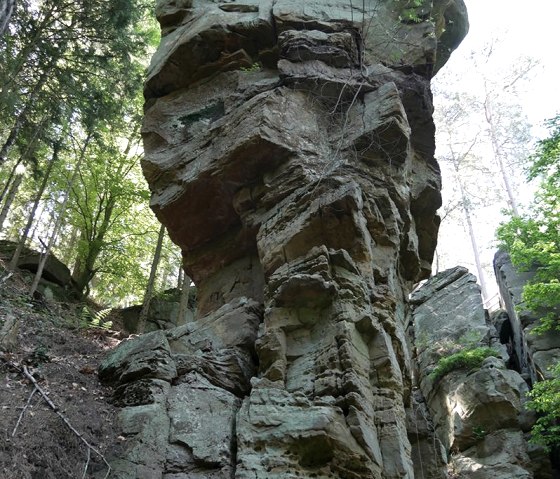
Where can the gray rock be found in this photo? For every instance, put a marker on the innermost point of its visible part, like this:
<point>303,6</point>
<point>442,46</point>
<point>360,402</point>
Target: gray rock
<point>477,414</point>
<point>55,273</point>
<point>203,420</point>
<point>289,151</point>
<point>146,356</point>
<point>535,353</point>
<point>448,316</point>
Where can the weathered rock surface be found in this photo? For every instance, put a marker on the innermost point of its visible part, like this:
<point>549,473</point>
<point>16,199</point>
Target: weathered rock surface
<point>534,353</point>
<point>478,416</point>
<point>163,312</point>
<point>289,150</point>
<point>55,273</point>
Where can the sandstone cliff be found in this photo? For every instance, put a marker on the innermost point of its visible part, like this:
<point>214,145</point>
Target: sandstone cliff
<point>289,150</point>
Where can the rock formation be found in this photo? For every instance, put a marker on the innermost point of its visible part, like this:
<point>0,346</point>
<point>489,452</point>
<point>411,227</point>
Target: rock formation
<point>534,354</point>
<point>163,312</point>
<point>289,150</point>
<point>56,279</point>
<point>478,424</point>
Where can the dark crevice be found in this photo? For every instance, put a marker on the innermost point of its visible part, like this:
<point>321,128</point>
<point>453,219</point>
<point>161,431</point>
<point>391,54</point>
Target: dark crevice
<point>233,445</point>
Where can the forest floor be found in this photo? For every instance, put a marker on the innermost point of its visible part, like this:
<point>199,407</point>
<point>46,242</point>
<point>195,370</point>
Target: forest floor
<point>62,356</point>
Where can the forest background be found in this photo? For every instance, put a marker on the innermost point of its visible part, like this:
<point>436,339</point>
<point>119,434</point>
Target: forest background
<point>71,78</point>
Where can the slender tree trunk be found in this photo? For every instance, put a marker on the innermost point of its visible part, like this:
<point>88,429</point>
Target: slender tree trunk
<point>7,8</point>
<point>184,304</point>
<point>70,247</point>
<point>59,220</point>
<point>31,217</point>
<point>10,199</point>
<point>474,245</point>
<point>40,213</point>
<point>151,281</point>
<point>10,178</point>
<point>488,110</point>
<point>180,278</point>
<point>21,159</point>
<point>22,117</point>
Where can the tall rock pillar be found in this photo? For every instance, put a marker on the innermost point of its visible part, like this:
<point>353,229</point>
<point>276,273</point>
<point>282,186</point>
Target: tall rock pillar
<point>289,150</point>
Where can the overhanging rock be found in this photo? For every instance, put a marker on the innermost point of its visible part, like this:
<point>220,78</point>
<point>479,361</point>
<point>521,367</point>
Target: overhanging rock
<point>289,151</point>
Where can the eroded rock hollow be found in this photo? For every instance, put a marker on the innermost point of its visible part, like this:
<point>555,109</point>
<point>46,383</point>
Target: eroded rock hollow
<point>290,153</point>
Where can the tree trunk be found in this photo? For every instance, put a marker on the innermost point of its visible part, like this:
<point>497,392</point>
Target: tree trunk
<point>180,278</point>
<point>10,199</point>
<point>70,247</point>
<point>10,178</point>
<point>84,269</point>
<point>498,155</point>
<point>59,220</point>
<point>184,304</point>
<point>22,117</point>
<point>6,10</point>
<point>21,159</point>
<point>468,218</point>
<point>151,281</point>
<point>31,217</point>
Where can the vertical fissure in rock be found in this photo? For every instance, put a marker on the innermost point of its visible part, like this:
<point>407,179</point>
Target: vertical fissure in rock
<point>233,445</point>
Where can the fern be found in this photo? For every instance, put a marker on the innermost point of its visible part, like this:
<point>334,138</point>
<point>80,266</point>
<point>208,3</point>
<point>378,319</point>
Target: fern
<point>96,319</point>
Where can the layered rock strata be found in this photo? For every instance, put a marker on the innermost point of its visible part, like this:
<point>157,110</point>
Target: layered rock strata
<point>479,426</point>
<point>289,150</point>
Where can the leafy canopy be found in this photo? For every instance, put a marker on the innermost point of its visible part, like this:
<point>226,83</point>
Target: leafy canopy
<point>545,400</point>
<point>533,240</point>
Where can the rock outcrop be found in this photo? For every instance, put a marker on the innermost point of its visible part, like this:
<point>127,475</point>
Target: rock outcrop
<point>163,312</point>
<point>534,353</point>
<point>289,150</point>
<point>56,279</point>
<point>479,423</point>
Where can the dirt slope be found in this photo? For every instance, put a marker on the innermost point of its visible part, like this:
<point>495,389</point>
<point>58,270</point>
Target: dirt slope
<point>63,359</point>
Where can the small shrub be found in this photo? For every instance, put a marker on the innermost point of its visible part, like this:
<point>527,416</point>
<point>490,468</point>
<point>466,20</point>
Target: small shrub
<point>255,67</point>
<point>469,359</point>
<point>544,399</point>
<point>95,319</point>
<point>479,432</point>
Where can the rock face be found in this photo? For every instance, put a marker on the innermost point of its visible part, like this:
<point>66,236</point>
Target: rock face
<point>289,150</point>
<point>534,353</point>
<point>56,274</point>
<point>477,415</point>
<point>163,312</point>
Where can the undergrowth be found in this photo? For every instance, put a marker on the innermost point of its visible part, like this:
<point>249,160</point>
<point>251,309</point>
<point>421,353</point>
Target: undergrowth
<point>469,359</point>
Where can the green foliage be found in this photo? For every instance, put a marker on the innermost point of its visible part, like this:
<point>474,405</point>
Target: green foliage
<point>95,319</point>
<point>468,358</point>
<point>255,67</point>
<point>479,432</point>
<point>409,11</point>
<point>545,400</point>
<point>71,91</point>
<point>533,240</point>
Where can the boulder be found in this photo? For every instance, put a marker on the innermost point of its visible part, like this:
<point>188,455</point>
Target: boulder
<point>477,411</point>
<point>54,271</point>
